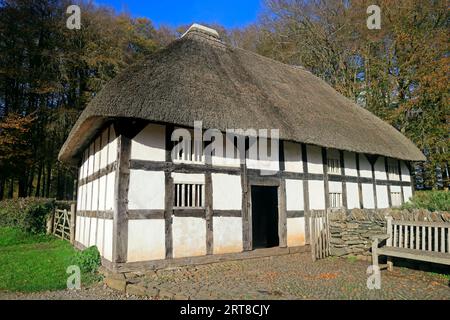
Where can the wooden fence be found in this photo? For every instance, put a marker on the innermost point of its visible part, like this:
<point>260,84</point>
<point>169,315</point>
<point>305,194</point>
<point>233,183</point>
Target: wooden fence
<point>319,234</point>
<point>62,223</point>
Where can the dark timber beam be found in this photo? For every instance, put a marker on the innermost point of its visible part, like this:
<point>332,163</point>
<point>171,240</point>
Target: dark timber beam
<point>325,178</point>
<point>305,192</point>
<point>400,178</point>
<point>372,160</point>
<point>209,213</point>
<point>282,215</point>
<point>360,192</point>
<point>122,180</point>
<point>344,185</point>
<point>169,193</point>
<point>246,204</point>
<point>388,182</point>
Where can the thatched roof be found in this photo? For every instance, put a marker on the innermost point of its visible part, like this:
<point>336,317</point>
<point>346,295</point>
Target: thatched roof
<point>198,77</point>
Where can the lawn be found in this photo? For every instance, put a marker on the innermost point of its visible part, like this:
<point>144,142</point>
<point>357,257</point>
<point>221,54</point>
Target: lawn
<point>33,262</point>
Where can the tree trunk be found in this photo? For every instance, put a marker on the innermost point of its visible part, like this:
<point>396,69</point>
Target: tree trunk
<point>23,179</point>
<point>11,189</point>
<point>49,177</point>
<point>2,187</point>
<point>38,185</point>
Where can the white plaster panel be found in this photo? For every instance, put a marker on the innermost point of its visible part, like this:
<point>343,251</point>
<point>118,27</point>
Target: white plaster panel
<point>227,191</point>
<point>293,157</point>
<point>352,195</point>
<point>100,235</point>
<point>95,193</point>
<point>350,164</point>
<point>334,186</point>
<point>189,237</point>
<point>368,196</point>
<point>91,159</point>
<point>112,146</point>
<point>396,189</point>
<point>146,240</point>
<point>80,227</point>
<point>406,176</point>
<point>227,235</point>
<point>108,239</point>
<point>110,182</point>
<point>93,233</point>
<point>294,195</point>
<point>102,193</point>
<point>220,157</point>
<point>147,190</point>
<point>316,195</point>
<point>104,150</point>
<point>264,162</point>
<point>88,205</point>
<point>407,193</point>
<point>295,232</point>
<point>382,197</point>
<point>77,228</point>
<point>188,178</point>
<point>79,197</point>
<point>149,144</point>
<point>97,154</point>
<point>365,168</point>
<point>314,154</point>
<point>380,169</point>
<point>87,231</point>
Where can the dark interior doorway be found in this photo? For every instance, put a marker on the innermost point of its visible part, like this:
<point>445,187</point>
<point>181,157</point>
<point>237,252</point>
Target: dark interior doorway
<point>265,217</point>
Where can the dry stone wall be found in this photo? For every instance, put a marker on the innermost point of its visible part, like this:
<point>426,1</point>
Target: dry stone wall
<point>351,231</point>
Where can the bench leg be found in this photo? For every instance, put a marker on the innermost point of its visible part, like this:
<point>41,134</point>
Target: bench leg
<point>375,254</point>
<point>390,264</point>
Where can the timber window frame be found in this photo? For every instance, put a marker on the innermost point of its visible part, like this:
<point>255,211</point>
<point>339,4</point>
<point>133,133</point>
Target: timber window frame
<point>189,195</point>
<point>333,166</point>
<point>335,200</point>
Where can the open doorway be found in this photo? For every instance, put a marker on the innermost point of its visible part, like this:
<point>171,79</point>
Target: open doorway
<point>265,217</point>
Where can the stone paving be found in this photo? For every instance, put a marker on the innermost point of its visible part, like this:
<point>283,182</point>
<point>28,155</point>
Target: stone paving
<point>292,276</point>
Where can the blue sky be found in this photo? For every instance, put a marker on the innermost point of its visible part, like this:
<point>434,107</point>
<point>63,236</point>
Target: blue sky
<point>229,13</point>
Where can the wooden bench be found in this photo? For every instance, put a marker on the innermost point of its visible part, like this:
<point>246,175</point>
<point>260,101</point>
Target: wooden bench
<point>415,240</point>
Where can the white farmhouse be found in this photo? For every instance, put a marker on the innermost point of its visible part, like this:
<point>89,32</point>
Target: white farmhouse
<point>143,206</point>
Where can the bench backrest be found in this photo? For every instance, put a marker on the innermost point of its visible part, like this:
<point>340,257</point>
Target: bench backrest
<point>419,235</point>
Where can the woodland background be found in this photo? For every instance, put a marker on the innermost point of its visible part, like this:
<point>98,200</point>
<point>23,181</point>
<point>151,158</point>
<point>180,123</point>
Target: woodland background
<point>49,73</point>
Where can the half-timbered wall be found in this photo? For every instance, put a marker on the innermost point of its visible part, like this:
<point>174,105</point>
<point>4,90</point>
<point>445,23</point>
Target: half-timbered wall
<point>179,208</point>
<point>95,197</point>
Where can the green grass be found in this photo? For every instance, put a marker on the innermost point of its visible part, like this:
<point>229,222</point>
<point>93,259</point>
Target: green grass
<point>34,262</point>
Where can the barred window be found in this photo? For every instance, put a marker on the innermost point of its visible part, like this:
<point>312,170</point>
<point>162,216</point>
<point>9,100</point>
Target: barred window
<point>188,195</point>
<point>335,200</point>
<point>396,198</point>
<point>334,166</point>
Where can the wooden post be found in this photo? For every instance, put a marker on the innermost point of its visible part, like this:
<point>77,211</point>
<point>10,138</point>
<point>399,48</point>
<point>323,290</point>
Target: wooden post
<point>374,252</point>
<point>386,169</point>
<point>389,231</point>
<point>282,215</point>
<point>120,222</point>
<point>360,193</point>
<point>50,222</point>
<point>313,235</point>
<point>72,223</point>
<point>209,214</point>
